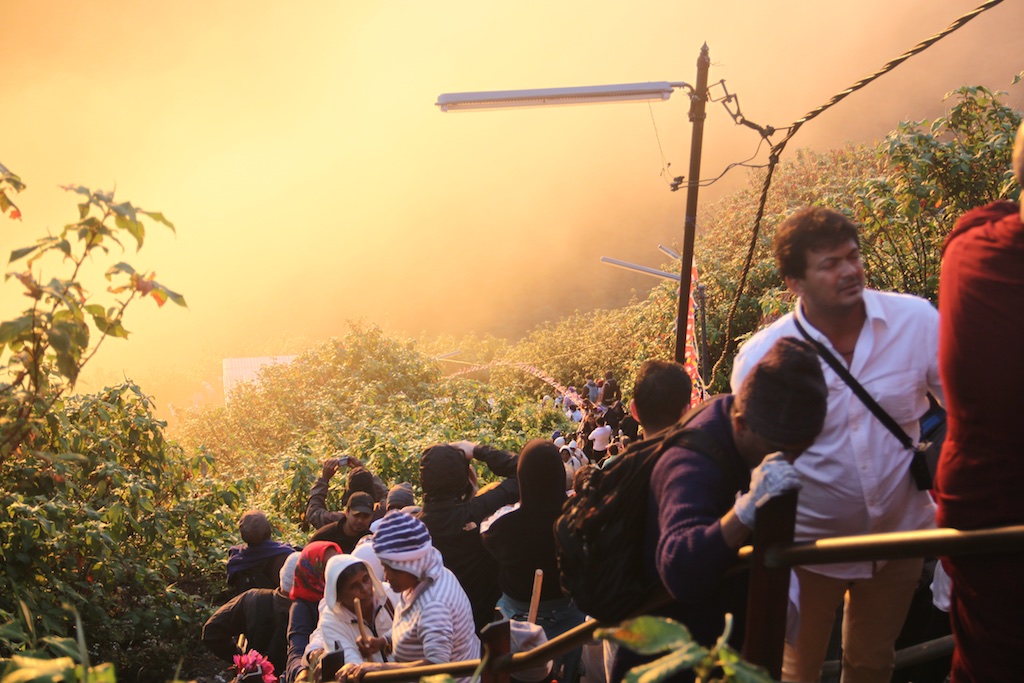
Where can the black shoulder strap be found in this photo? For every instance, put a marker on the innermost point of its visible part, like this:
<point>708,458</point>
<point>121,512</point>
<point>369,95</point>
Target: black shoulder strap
<point>858,389</point>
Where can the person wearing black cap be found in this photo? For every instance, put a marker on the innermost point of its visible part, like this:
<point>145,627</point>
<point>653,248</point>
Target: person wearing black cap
<point>695,521</point>
<point>347,531</point>
<point>858,477</point>
<point>453,512</point>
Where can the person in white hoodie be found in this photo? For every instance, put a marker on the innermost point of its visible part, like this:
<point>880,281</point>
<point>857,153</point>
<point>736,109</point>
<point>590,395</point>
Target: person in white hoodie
<point>348,578</point>
<point>433,618</point>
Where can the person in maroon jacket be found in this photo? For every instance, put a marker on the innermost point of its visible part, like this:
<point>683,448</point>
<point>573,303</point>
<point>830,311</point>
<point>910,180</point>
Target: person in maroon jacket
<point>980,475</point>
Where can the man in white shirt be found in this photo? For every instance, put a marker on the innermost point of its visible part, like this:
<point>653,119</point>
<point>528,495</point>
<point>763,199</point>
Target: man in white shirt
<point>602,436</point>
<point>856,477</point>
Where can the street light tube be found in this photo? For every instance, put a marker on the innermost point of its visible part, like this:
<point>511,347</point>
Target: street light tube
<point>547,97</point>
<point>640,269</point>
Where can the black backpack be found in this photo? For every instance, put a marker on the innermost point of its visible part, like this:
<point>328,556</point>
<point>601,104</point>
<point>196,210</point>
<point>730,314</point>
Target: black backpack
<point>599,536</point>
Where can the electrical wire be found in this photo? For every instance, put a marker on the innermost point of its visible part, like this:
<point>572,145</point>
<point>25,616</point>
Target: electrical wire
<point>745,163</point>
<point>778,148</point>
<point>665,164</point>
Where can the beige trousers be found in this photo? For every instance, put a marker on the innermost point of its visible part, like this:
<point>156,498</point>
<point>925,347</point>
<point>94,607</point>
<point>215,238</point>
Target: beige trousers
<point>873,615</point>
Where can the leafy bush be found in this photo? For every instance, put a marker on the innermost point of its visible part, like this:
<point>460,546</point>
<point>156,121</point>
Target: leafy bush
<point>98,513</point>
<point>367,395</point>
<point>935,172</point>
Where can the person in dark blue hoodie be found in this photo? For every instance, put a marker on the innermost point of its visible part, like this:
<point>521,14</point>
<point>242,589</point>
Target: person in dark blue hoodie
<point>257,563</point>
<point>695,520</point>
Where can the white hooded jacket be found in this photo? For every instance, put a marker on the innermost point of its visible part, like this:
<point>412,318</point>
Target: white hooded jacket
<point>338,627</point>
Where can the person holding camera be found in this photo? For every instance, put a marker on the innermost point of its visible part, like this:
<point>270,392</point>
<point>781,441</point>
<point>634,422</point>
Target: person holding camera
<point>359,479</point>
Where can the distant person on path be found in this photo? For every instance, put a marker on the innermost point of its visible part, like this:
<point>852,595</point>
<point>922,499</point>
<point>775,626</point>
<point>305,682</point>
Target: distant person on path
<point>857,476</point>
<point>612,391</point>
<point>601,437</point>
<point>570,463</point>
<point>257,564</point>
<point>980,476</point>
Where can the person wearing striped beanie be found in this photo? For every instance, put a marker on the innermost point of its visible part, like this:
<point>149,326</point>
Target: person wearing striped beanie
<point>433,621</point>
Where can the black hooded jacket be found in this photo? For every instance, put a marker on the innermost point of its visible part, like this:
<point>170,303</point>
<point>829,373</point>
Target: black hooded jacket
<point>522,541</point>
<point>453,518</point>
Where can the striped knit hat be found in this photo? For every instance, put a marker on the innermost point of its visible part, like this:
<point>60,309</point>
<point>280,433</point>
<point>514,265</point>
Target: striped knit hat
<point>401,538</point>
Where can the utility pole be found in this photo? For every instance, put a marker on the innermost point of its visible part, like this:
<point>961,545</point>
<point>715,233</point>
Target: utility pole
<point>698,100</point>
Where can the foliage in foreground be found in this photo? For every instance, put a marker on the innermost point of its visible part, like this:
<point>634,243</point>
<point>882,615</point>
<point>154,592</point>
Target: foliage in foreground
<point>656,635</point>
<point>99,515</point>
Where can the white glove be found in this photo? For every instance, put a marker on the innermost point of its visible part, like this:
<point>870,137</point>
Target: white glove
<point>773,477</point>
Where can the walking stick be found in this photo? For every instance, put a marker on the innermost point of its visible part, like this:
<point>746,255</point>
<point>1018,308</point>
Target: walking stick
<point>538,579</point>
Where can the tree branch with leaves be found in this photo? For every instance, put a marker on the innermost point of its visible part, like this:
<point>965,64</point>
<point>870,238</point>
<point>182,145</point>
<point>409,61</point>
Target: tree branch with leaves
<point>44,349</point>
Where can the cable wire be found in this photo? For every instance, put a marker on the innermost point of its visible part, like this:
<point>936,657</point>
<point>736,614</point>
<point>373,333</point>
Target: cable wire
<point>778,148</point>
<point>665,164</point>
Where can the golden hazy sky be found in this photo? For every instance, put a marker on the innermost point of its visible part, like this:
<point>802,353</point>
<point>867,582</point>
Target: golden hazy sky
<point>297,148</point>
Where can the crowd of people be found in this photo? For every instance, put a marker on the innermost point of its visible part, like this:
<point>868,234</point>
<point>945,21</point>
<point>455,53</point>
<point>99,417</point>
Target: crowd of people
<point>824,401</point>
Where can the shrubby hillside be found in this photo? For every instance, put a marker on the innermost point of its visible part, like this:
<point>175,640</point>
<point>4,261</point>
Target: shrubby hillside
<point>105,515</point>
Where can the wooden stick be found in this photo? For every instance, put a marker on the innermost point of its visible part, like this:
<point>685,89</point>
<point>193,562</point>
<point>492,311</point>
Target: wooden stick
<point>538,580</point>
<point>359,619</point>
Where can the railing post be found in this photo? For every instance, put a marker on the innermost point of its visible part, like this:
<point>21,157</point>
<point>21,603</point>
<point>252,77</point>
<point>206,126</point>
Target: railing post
<point>495,639</point>
<point>768,591</point>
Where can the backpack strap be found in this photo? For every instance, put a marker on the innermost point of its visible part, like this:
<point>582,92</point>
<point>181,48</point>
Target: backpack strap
<point>700,441</point>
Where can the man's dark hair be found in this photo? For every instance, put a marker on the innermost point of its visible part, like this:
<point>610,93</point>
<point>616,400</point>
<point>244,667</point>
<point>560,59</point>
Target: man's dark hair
<point>661,393</point>
<point>809,229</point>
<point>359,479</point>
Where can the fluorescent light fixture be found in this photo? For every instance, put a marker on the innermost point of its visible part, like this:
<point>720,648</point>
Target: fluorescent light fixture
<point>640,269</point>
<point>669,252</point>
<point>547,97</point>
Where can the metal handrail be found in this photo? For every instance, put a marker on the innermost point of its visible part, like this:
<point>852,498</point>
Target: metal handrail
<point>894,545</point>
<point>887,546</point>
<point>508,663</point>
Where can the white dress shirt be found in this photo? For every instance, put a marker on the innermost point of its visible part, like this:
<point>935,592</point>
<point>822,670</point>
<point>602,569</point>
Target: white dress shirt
<point>856,477</point>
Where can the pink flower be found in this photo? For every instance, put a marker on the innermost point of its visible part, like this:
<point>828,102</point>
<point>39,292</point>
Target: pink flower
<point>253,663</point>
